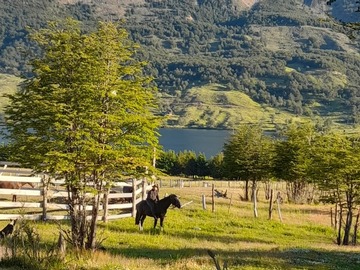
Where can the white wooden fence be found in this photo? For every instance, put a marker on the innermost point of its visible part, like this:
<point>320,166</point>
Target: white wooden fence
<point>49,202</point>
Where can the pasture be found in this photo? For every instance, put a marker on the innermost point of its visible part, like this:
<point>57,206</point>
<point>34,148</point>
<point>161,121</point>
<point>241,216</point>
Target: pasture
<point>304,240</point>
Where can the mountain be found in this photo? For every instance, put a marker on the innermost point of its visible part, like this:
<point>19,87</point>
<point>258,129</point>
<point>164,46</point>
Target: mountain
<point>286,56</point>
<point>342,10</point>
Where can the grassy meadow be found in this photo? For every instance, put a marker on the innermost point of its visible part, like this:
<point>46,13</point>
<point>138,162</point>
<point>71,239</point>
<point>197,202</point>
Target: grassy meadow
<point>303,240</point>
<point>215,106</point>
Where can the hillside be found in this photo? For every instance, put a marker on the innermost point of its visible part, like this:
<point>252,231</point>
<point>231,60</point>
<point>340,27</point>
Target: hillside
<point>342,10</point>
<point>217,107</point>
<point>287,56</point>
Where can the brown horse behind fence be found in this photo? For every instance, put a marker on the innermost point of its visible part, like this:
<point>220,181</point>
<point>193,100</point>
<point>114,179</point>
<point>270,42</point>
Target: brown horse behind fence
<point>15,185</point>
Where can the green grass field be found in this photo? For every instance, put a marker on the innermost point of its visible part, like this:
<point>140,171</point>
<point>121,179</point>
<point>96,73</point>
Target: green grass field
<point>304,240</point>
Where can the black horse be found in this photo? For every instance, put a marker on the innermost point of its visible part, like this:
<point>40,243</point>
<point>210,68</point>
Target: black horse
<point>143,210</point>
<point>8,229</point>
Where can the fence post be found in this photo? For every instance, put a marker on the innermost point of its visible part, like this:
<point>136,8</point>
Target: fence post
<point>61,246</point>
<point>203,201</point>
<point>254,197</point>
<point>133,197</point>
<point>45,192</point>
<point>278,198</point>
<point>230,203</point>
<point>212,198</point>
<point>143,192</point>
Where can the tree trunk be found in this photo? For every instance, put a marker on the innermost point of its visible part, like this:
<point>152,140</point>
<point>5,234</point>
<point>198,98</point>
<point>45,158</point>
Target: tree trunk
<point>296,191</point>
<point>246,190</point>
<point>349,218</point>
<point>91,238</point>
<point>271,203</point>
<point>356,225</point>
<point>77,207</point>
<point>254,196</point>
<point>347,227</point>
<point>336,215</point>
<point>338,239</point>
<point>268,190</point>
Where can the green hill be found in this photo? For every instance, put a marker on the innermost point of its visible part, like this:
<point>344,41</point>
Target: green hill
<point>286,56</point>
<point>213,106</point>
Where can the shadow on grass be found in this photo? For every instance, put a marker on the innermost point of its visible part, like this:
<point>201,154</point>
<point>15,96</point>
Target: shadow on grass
<point>270,259</point>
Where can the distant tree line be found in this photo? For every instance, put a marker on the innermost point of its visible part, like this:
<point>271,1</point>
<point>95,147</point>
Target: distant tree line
<point>190,164</point>
<point>317,166</point>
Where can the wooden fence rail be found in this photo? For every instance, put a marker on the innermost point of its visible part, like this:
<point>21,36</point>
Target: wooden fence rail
<point>49,202</point>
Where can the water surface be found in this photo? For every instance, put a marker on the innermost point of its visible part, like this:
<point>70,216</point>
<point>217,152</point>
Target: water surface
<point>207,141</point>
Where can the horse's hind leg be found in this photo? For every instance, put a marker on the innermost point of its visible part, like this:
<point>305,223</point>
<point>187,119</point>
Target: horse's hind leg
<point>161,223</point>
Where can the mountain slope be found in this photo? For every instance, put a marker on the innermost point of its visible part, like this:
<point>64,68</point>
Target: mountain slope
<point>287,55</point>
<point>342,10</point>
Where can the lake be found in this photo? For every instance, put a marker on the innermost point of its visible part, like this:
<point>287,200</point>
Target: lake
<point>207,141</point>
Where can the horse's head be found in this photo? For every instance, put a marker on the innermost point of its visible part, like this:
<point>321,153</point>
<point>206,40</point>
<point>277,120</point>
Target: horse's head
<point>175,201</point>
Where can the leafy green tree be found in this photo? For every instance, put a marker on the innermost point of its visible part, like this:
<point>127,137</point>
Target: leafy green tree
<point>85,115</point>
<point>248,156</point>
<point>5,152</point>
<point>187,161</point>
<point>168,163</point>
<point>293,158</point>
<point>216,166</point>
<point>202,167</point>
<point>336,162</point>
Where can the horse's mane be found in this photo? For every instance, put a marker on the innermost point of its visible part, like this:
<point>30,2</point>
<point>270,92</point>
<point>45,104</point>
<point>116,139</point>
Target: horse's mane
<point>169,196</point>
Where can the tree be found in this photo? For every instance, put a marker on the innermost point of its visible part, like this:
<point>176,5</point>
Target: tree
<point>187,161</point>
<point>85,115</point>
<point>293,159</point>
<point>202,166</point>
<point>216,166</point>
<point>168,163</point>
<point>248,156</point>
<point>336,162</point>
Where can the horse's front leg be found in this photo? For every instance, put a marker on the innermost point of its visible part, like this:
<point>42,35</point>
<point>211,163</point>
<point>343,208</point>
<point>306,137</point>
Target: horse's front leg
<point>155,222</point>
<point>141,223</point>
